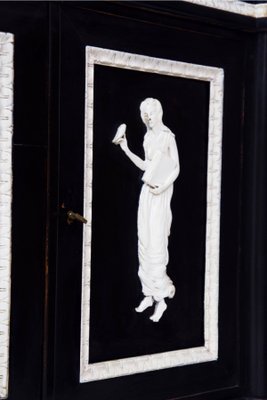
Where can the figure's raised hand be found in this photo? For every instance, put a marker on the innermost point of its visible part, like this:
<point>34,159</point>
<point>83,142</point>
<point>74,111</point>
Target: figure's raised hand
<point>120,138</point>
<point>120,134</point>
<point>123,143</point>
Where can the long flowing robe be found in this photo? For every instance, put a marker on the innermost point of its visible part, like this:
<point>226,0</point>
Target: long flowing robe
<point>154,223</point>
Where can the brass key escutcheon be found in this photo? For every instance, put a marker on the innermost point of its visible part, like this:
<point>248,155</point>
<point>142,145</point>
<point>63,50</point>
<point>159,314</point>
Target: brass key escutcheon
<point>72,216</point>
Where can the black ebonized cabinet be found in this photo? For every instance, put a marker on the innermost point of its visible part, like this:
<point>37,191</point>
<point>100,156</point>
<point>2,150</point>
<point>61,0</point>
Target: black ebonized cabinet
<point>48,146</point>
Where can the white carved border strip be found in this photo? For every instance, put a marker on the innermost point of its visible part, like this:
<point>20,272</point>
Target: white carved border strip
<point>6,130</point>
<point>209,352</point>
<point>234,6</point>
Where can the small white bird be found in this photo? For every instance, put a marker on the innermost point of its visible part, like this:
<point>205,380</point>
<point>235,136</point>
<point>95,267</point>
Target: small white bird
<point>119,134</point>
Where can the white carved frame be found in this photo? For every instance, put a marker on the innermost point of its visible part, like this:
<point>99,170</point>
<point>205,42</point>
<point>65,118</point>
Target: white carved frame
<point>208,352</point>
<point>234,6</point>
<point>6,131</point>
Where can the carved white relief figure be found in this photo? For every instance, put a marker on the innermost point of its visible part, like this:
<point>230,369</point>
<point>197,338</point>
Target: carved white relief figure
<point>161,168</point>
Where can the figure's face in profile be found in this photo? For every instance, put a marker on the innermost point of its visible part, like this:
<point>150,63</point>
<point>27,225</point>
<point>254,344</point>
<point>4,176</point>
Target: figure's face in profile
<point>151,115</point>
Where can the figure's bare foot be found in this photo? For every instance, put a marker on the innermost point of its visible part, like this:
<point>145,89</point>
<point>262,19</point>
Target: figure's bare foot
<point>145,303</point>
<point>159,310</point>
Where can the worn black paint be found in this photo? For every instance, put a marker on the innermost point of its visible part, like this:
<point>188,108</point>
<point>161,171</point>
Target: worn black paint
<point>49,115</point>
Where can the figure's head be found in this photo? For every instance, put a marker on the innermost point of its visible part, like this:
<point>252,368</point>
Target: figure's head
<point>151,112</point>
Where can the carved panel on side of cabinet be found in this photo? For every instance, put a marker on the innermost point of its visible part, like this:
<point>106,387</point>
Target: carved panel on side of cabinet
<point>6,131</point>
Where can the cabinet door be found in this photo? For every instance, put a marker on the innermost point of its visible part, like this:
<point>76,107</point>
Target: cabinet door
<point>111,57</point>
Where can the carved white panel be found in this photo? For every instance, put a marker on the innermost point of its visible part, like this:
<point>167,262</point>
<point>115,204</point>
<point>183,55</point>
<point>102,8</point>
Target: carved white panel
<point>234,6</point>
<point>209,352</point>
<point>6,130</point>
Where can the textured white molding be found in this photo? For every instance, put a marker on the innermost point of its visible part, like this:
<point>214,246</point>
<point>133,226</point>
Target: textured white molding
<point>234,6</point>
<point>6,130</point>
<point>209,352</point>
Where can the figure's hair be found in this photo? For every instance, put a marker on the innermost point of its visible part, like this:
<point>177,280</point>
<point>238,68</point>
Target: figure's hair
<point>151,102</point>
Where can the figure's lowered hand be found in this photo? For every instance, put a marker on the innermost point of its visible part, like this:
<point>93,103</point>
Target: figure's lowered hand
<point>158,189</point>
